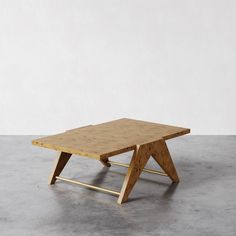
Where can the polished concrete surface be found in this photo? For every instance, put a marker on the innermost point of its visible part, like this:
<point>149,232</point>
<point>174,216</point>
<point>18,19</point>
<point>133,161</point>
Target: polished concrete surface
<point>203,203</point>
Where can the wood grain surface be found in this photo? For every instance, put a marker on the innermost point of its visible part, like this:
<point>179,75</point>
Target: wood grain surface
<point>110,138</point>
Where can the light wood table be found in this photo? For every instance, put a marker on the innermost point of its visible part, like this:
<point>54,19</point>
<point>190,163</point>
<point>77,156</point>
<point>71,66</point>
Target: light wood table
<point>105,140</point>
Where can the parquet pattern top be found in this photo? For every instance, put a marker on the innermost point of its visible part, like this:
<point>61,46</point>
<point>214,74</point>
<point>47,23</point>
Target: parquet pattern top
<point>110,138</point>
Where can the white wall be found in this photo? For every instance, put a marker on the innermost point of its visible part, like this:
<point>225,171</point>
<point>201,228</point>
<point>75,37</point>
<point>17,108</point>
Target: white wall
<point>65,64</point>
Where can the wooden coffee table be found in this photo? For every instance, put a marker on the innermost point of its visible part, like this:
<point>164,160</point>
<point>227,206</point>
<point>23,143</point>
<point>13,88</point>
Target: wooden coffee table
<point>105,140</point>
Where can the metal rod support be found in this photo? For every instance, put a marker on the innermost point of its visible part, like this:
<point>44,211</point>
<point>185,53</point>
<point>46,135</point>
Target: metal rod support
<point>88,185</point>
<point>145,170</point>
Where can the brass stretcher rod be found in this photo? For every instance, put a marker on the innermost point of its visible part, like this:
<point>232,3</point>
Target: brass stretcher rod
<point>145,170</point>
<point>88,185</point>
<point>106,189</point>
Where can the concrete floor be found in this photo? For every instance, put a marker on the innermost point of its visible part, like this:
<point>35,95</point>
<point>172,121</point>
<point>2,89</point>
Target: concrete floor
<point>203,203</point>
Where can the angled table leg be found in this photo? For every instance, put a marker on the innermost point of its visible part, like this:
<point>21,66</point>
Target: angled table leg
<point>105,162</point>
<point>140,157</point>
<point>62,160</point>
<point>162,157</point>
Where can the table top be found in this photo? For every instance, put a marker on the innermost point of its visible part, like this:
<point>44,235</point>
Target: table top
<point>110,138</point>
